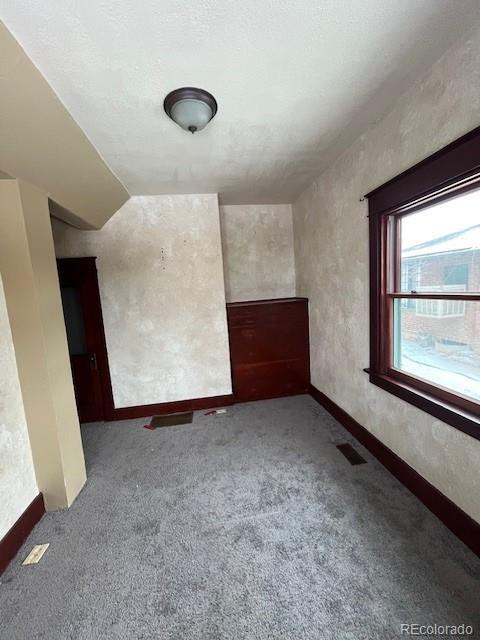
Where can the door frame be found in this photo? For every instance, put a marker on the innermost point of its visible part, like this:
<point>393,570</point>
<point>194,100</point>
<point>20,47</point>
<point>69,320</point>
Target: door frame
<point>71,268</point>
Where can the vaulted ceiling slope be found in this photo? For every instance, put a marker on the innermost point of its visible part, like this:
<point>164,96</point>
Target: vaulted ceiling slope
<point>296,82</point>
<point>40,142</point>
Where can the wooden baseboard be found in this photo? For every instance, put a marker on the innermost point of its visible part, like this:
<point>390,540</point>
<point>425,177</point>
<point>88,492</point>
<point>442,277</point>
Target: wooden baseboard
<point>13,539</point>
<point>147,410</point>
<point>197,404</point>
<point>460,523</point>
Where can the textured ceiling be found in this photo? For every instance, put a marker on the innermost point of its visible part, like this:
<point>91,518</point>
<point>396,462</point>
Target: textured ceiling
<point>296,81</point>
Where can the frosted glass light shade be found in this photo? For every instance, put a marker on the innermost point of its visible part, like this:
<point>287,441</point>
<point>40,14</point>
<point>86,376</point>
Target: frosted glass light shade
<point>190,114</point>
<point>191,108</point>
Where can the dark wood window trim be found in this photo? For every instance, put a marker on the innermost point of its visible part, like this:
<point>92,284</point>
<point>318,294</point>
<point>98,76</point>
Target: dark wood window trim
<point>447,173</point>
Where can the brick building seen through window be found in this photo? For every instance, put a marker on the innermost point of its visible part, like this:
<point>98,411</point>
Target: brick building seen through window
<point>440,334</point>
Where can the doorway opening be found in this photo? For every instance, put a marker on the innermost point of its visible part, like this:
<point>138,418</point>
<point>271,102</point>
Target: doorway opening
<point>86,338</point>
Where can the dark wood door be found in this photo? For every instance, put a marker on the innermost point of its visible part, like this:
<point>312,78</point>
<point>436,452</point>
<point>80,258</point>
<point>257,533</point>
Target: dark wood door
<point>85,335</point>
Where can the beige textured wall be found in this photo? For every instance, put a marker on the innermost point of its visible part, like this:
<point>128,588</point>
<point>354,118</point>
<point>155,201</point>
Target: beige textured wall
<point>18,486</point>
<point>163,298</point>
<point>331,249</point>
<point>258,251</point>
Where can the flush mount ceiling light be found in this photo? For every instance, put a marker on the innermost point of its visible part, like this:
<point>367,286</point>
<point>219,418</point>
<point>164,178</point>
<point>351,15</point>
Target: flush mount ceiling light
<point>192,109</point>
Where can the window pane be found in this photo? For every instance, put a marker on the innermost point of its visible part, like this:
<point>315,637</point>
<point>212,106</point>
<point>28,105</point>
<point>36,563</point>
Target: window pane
<point>440,246</point>
<point>439,341</point>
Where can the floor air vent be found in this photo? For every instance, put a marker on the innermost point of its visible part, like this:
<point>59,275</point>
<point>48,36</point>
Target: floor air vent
<point>351,454</point>
<point>171,420</point>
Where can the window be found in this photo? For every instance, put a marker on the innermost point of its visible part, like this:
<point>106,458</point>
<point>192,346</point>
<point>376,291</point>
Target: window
<point>440,308</point>
<point>425,285</point>
<point>410,280</point>
<point>456,274</point>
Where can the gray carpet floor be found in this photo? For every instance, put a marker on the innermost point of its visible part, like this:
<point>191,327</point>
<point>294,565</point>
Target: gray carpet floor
<point>248,525</point>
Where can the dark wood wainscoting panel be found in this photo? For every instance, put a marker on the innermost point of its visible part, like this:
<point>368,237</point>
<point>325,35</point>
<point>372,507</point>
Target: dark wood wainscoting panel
<point>269,348</point>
